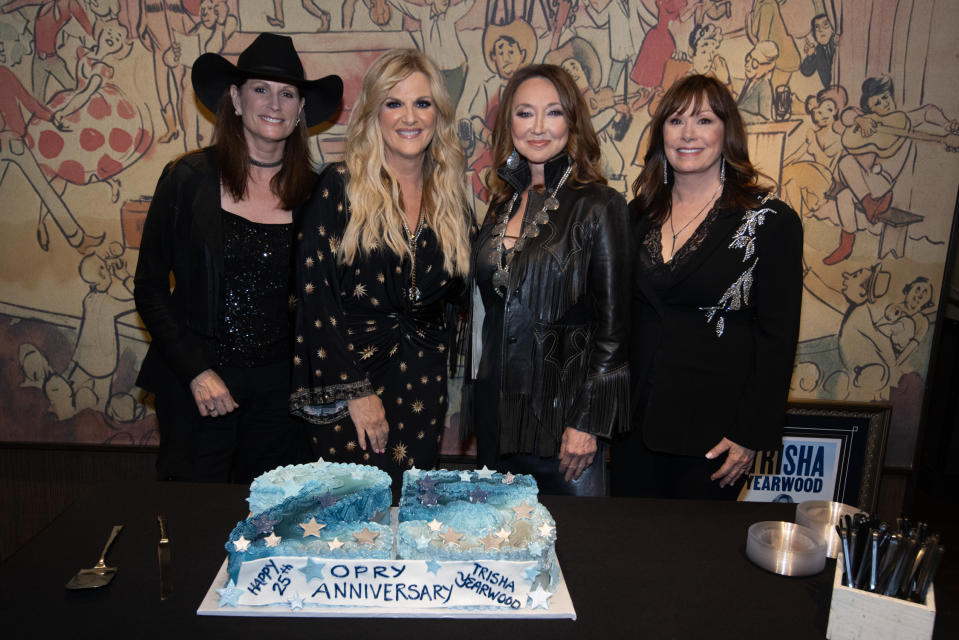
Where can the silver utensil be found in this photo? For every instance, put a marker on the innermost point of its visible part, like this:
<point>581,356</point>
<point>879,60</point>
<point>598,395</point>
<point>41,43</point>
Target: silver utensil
<point>99,574</point>
<point>166,562</point>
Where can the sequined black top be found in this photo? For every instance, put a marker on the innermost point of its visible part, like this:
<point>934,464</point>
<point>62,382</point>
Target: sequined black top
<point>254,326</point>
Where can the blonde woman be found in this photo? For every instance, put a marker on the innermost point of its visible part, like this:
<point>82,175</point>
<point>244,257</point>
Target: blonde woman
<point>382,248</point>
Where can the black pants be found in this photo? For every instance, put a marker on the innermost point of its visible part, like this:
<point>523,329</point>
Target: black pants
<point>592,482</point>
<point>258,436</point>
<point>638,472</point>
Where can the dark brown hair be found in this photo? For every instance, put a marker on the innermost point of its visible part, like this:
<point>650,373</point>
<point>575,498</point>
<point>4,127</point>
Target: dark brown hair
<point>583,144</point>
<point>292,184</point>
<point>741,189</point>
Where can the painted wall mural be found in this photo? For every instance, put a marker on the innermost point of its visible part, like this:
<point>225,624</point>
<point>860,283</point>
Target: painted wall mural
<point>851,107</point>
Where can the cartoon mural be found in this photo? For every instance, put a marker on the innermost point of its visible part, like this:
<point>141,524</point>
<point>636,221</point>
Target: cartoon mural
<point>849,103</point>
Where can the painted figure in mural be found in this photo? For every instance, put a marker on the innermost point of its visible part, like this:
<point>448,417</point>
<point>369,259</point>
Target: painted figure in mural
<point>506,48</point>
<point>215,27</point>
<point>384,246</point>
<point>552,382</point>
<point>807,172</point>
<point>716,298</point>
<point>107,132</point>
<point>866,351</point>
<point>608,113</point>
<point>766,24</point>
<point>658,45</point>
<point>703,59</point>
<point>820,55</point>
<point>756,97</point>
<point>441,42</point>
<point>278,19</point>
<point>48,25</point>
<point>879,145</point>
<point>16,150</point>
<point>221,221</point>
<point>161,25</point>
<point>623,20</point>
<point>907,322</point>
<point>378,14</point>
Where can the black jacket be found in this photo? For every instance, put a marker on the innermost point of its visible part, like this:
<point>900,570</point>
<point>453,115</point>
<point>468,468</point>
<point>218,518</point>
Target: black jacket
<point>713,353</point>
<point>565,334</point>
<point>182,235</point>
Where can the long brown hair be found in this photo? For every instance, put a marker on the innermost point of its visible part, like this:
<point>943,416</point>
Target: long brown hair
<point>742,187</point>
<point>292,184</point>
<point>583,144</point>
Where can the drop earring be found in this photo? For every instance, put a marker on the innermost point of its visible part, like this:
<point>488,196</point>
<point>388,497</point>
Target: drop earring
<point>512,161</point>
<point>722,169</point>
<point>665,172</point>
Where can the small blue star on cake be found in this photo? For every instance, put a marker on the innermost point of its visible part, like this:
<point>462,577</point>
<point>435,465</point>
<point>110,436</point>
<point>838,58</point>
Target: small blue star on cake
<point>478,495</point>
<point>313,569</point>
<point>427,484</point>
<point>326,500</point>
<point>532,572</point>
<point>264,524</point>
<point>229,595</point>
<point>432,566</point>
<point>296,602</point>
<point>539,598</point>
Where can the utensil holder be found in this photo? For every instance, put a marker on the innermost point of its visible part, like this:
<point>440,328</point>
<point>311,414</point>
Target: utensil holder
<point>856,614</point>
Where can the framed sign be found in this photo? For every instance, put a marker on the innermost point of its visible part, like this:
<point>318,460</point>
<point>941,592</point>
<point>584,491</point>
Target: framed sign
<point>830,451</point>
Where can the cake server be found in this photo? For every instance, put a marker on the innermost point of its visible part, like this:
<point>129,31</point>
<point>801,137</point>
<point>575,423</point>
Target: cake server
<point>99,574</point>
<point>166,562</point>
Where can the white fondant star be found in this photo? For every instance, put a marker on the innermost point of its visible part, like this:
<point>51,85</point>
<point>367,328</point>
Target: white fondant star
<point>365,536</point>
<point>296,602</point>
<point>545,529</point>
<point>229,595</point>
<point>502,533</point>
<point>313,569</point>
<point>414,472</point>
<point>491,542</point>
<point>241,544</point>
<point>335,544</point>
<point>485,473</point>
<point>539,598</point>
<point>509,478</point>
<point>451,537</point>
<point>435,525</point>
<point>432,566</point>
<point>272,540</point>
<point>466,476</point>
<point>312,528</point>
<point>523,511</point>
<point>421,542</point>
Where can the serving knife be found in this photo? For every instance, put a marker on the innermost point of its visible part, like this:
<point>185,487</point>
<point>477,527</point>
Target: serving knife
<point>166,562</point>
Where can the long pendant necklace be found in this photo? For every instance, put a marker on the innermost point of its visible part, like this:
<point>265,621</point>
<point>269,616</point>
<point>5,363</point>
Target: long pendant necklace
<point>675,234</point>
<point>412,239</point>
<point>498,255</point>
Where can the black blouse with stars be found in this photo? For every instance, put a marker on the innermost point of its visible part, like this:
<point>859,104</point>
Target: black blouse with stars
<point>357,332</point>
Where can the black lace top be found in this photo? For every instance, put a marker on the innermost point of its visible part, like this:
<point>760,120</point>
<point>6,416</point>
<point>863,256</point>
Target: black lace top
<point>254,324</point>
<point>661,274</point>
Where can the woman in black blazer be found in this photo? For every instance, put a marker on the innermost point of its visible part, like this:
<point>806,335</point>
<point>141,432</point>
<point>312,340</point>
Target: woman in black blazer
<point>717,282</point>
<point>221,222</point>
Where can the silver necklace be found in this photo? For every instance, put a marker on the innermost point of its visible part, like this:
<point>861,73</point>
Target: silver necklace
<point>412,239</point>
<point>498,255</point>
<point>675,234</point>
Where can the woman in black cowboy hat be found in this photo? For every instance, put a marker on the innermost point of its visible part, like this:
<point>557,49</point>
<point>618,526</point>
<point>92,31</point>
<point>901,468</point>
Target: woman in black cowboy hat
<point>221,222</point>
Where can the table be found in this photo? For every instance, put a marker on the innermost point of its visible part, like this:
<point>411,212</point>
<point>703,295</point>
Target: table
<point>635,568</point>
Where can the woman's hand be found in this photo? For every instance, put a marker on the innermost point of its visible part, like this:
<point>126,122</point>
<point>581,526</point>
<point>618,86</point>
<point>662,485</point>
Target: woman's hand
<point>211,394</point>
<point>739,460</point>
<point>370,420</point>
<point>576,452</point>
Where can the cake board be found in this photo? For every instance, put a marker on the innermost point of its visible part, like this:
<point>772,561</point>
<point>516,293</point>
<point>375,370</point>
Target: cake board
<point>560,607</point>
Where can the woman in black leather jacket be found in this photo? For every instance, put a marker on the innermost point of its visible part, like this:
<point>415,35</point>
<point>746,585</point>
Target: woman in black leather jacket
<point>551,264</point>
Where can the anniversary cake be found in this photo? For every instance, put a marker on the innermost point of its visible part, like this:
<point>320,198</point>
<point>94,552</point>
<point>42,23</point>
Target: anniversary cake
<point>323,534</point>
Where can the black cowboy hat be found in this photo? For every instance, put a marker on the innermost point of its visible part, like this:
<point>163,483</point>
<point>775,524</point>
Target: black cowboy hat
<point>273,57</point>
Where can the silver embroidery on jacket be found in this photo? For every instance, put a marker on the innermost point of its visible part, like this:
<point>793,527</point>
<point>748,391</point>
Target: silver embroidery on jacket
<point>736,297</point>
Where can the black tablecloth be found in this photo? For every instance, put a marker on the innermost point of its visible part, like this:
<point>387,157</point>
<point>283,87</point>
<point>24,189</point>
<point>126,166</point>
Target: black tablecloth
<point>634,568</point>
